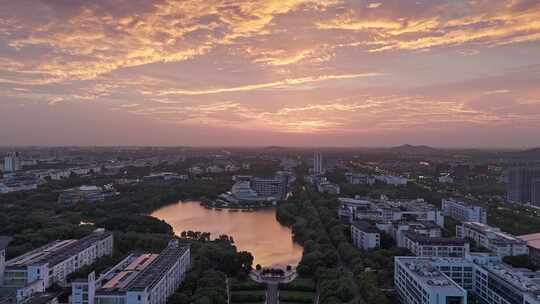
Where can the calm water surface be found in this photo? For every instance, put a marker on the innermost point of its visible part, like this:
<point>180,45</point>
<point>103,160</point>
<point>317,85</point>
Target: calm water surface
<point>257,232</point>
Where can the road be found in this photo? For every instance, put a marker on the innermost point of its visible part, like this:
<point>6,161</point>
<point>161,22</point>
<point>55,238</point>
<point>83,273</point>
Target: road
<point>272,293</point>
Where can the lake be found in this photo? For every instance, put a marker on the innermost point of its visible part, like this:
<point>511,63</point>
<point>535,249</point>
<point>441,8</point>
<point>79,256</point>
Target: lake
<point>258,232</point>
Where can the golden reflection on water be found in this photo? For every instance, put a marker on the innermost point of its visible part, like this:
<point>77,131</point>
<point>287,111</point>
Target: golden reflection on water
<point>257,232</point>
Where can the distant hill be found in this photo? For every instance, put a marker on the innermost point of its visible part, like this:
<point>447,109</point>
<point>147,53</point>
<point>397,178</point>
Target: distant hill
<point>531,154</point>
<point>410,149</point>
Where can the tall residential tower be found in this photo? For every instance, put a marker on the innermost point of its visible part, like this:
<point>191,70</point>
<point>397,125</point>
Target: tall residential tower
<point>318,163</point>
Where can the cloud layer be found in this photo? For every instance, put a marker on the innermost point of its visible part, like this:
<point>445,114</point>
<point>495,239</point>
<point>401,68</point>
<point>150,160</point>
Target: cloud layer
<point>298,71</point>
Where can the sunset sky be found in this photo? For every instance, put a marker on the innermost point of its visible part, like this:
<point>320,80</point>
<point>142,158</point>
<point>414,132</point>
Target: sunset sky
<point>270,72</point>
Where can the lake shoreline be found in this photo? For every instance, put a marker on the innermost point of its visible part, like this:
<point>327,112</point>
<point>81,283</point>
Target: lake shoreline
<point>255,230</point>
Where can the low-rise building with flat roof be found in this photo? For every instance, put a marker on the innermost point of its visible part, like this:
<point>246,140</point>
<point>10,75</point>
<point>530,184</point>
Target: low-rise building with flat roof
<point>463,212</point>
<point>138,279</point>
<point>365,235</point>
<point>38,269</point>
<point>533,243</point>
<point>492,238</point>
<point>425,246</point>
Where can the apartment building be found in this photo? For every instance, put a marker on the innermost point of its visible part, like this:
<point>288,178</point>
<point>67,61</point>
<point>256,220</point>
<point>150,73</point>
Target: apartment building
<point>12,162</point>
<point>365,235</point>
<point>417,281</point>
<point>492,238</point>
<point>463,212</point>
<point>138,279</point>
<point>521,186</point>
<point>40,268</point>
<point>425,246</point>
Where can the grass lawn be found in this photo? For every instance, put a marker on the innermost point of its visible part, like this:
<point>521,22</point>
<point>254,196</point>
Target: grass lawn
<point>299,284</point>
<point>247,292</point>
<point>288,296</point>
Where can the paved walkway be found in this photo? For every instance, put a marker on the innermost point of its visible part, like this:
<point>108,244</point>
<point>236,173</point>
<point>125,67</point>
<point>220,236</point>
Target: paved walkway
<point>272,294</point>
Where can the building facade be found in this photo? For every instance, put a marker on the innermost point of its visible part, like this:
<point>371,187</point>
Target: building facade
<point>463,212</point>
<point>500,243</point>
<point>365,235</point>
<point>138,279</point>
<point>521,185</point>
<point>271,187</point>
<point>391,210</point>
<point>417,281</point>
<point>425,246</point>
<point>12,162</point>
<point>318,163</point>
<point>4,242</point>
<point>52,263</point>
<point>86,194</point>
<point>486,277</point>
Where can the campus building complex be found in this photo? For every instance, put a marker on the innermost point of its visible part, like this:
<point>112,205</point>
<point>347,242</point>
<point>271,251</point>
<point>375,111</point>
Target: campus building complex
<point>485,276</point>
<point>248,188</point>
<point>389,210</point>
<point>492,238</point>
<point>40,268</point>
<point>463,212</point>
<point>138,279</point>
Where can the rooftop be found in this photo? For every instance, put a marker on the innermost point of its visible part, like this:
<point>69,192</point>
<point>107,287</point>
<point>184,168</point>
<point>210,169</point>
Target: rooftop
<point>57,251</point>
<point>533,240</point>
<point>498,236</point>
<point>523,279</point>
<point>153,272</point>
<point>425,272</point>
<point>426,240</point>
<point>365,226</point>
<point>126,271</point>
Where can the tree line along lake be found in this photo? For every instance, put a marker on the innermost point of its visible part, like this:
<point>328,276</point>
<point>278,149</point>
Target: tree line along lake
<point>256,231</point>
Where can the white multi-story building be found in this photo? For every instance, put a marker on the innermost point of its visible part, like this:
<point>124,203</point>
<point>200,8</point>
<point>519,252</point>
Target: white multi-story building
<point>359,179</point>
<point>417,281</point>
<point>325,186</point>
<point>12,162</point>
<point>463,212</point>
<point>490,280</point>
<point>40,268</point>
<point>446,179</point>
<point>398,229</point>
<point>138,279</point>
<point>4,241</point>
<point>365,236</point>
<point>492,238</point>
<point>390,210</point>
<point>392,180</point>
<point>425,246</point>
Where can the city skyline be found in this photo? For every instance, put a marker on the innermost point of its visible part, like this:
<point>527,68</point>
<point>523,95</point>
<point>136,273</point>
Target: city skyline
<point>259,73</point>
